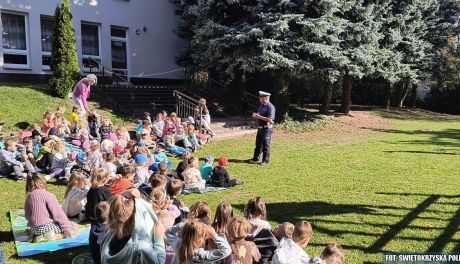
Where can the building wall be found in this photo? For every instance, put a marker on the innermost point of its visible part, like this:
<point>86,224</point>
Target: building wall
<point>152,51</point>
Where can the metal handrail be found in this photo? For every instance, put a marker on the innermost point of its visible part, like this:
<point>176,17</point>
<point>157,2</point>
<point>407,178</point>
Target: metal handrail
<point>186,106</point>
<point>104,69</point>
<point>177,93</point>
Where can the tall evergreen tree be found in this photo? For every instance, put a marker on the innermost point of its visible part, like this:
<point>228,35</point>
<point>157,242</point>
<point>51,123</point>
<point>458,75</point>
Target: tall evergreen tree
<point>64,60</point>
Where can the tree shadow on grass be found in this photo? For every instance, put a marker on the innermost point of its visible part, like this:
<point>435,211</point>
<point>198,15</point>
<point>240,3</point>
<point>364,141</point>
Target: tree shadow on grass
<point>445,138</point>
<point>422,152</point>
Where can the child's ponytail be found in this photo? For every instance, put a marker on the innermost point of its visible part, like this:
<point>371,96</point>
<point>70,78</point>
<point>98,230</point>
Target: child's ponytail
<point>121,216</point>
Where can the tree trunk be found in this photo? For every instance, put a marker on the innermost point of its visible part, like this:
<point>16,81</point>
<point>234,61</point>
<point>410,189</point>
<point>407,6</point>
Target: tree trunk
<point>326,101</point>
<point>346,93</point>
<point>403,93</point>
<point>388,95</point>
<point>281,95</point>
<point>413,99</point>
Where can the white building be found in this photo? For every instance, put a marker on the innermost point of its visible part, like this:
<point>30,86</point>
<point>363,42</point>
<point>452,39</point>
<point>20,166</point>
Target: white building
<point>133,37</point>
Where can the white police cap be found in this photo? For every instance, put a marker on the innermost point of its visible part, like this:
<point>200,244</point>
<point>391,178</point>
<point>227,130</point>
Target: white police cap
<point>262,94</point>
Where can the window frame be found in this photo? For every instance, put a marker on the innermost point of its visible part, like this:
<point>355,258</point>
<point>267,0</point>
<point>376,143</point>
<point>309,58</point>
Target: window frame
<point>45,53</point>
<point>120,39</point>
<point>84,56</point>
<point>25,52</point>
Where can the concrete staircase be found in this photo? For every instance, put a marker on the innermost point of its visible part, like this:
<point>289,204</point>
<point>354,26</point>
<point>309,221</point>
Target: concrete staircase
<point>232,127</point>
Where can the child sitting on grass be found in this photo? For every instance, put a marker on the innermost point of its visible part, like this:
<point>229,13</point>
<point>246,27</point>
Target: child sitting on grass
<point>256,213</point>
<point>105,129</point>
<point>74,117</point>
<point>48,122</point>
<point>174,189</point>
<point>224,214</point>
<point>97,231</point>
<point>243,252</point>
<point>125,182</point>
<point>45,217</point>
<point>75,196</point>
<point>142,170</point>
<point>332,254</point>
<point>183,164</point>
<point>10,161</point>
<point>291,251</point>
<point>206,168</point>
<point>200,211</point>
<point>81,165</point>
<point>192,176</point>
<point>95,159</point>
<point>188,240</point>
<point>97,193</point>
<point>59,163</point>
<point>220,176</point>
<point>133,234</point>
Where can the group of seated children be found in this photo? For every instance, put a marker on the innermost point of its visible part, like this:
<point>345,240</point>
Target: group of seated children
<point>83,144</point>
<point>130,226</point>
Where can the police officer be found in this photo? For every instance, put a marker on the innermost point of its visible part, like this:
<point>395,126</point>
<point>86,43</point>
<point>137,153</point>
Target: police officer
<point>265,117</point>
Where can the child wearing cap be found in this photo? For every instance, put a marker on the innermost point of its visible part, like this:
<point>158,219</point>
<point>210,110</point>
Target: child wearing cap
<point>81,165</point>
<point>206,168</point>
<point>220,176</point>
<point>142,170</point>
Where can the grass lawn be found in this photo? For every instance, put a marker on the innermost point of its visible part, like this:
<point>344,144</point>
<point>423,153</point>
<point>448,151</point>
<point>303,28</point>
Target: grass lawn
<point>27,103</point>
<point>392,188</point>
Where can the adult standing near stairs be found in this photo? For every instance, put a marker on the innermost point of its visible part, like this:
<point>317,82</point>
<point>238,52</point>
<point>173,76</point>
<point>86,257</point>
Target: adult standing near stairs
<point>265,117</point>
<point>202,116</point>
<point>81,92</point>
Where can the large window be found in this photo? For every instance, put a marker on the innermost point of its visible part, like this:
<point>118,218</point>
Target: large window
<point>119,51</point>
<point>46,24</point>
<point>90,47</point>
<point>14,36</point>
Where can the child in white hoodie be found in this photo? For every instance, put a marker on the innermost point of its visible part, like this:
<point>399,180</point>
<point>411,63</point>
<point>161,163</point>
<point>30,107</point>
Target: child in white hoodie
<point>291,251</point>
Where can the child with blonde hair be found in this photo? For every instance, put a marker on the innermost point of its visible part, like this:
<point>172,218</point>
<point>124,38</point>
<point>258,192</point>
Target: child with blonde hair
<point>121,137</point>
<point>224,213</point>
<point>291,251</point>
<point>97,193</point>
<point>133,233</point>
<point>45,217</point>
<point>83,135</point>
<point>59,163</point>
<point>188,240</point>
<point>200,211</point>
<point>332,254</point>
<point>95,159</point>
<point>243,252</point>
<point>192,176</point>
<point>285,229</point>
<point>105,129</point>
<point>75,196</point>
<point>256,213</point>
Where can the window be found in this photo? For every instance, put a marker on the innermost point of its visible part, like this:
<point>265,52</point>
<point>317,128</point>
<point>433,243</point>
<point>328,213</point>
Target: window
<point>14,36</point>
<point>46,24</point>
<point>119,51</point>
<point>90,47</point>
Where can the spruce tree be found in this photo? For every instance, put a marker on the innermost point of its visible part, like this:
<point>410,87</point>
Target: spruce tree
<point>64,60</point>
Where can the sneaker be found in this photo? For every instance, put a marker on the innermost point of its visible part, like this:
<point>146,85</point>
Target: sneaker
<point>38,238</point>
<point>47,177</point>
<point>63,181</point>
<point>239,182</point>
<point>264,163</point>
<point>23,177</point>
<point>50,235</point>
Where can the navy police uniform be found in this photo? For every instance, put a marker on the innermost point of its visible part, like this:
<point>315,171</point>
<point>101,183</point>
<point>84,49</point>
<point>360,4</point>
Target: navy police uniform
<point>264,132</point>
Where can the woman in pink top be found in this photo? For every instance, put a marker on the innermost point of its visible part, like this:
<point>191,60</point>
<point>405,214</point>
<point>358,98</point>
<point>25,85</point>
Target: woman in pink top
<point>81,92</point>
